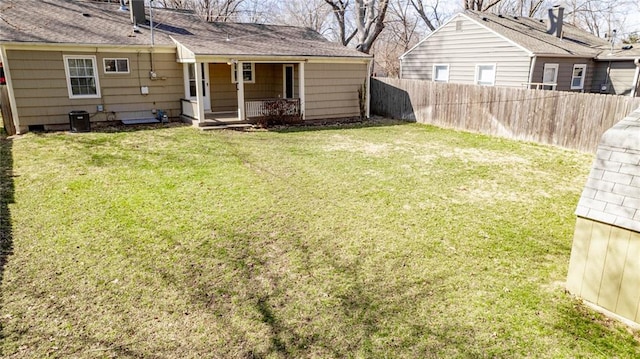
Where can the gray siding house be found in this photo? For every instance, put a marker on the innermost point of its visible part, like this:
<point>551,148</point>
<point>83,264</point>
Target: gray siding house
<point>497,50</point>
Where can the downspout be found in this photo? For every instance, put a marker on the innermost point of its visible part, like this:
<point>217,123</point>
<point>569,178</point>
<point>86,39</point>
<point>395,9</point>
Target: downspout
<point>152,73</point>
<point>12,96</point>
<point>635,77</point>
<point>368,95</point>
<point>532,66</point>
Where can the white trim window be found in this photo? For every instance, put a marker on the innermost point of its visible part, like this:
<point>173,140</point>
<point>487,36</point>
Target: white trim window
<point>116,66</point>
<point>82,76</point>
<point>248,72</point>
<point>190,70</point>
<point>577,76</point>
<point>486,74</point>
<point>440,73</point>
<point>550,76</point>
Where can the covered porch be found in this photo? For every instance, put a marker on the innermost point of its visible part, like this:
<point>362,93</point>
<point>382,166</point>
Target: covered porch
<point>242,91</point>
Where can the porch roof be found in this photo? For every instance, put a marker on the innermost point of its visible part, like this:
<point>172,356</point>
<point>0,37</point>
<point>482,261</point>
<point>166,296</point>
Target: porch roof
<point>259,40</point>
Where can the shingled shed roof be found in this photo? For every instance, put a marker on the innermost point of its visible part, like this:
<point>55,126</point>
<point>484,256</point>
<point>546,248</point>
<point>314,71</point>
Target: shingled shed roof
<point>612,192</point>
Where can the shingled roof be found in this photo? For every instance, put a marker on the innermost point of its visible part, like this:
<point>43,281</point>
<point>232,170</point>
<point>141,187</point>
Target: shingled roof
<point>532,35</point>
<point>83,22</point>
<point>612,192</point>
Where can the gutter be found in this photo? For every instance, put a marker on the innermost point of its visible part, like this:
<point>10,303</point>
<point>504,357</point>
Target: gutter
<point>279,59</point>
<point>92,48</point>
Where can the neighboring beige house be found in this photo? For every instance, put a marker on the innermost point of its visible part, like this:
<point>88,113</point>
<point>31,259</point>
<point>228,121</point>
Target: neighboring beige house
<point>499,50</point>
<point>78,55</point>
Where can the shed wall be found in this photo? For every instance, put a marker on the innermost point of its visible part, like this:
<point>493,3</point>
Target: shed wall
<point>463,44</point>
<point>331,89</point>
<point>42,97</point>
<point>604,267</point>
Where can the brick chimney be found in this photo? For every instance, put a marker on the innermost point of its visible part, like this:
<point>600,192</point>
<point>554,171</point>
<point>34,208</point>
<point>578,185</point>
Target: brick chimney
<point>556,18</point>
<point>137,12</point>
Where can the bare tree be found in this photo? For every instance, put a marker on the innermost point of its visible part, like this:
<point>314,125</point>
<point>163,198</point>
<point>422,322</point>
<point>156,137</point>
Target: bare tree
<point>215,10</point>
<point>369,21</point>
<point>340,10</point>
<point>480,5</point>
<point>370,16</point>
<point>401,25</point>
<point>399,35</point>
<point>428,13</point>
<point>218,10</point>
<point>600,17</point>
<point>313,14</point>
<point>527,8</point>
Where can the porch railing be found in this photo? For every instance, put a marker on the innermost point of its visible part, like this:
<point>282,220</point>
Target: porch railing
<point>272,107</point>
<point>190,108</point>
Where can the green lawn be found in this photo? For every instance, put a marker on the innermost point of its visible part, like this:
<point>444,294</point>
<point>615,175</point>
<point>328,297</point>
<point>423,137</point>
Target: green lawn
<point>388,241</point>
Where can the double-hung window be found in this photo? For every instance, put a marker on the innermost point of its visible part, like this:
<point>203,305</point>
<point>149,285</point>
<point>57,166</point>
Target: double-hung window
<point>248,72</point>
<point>486,74</point>
<point>191,72</point>
<point>550,76</point>
<point>116,66</point>
<point>441,73</point>
<point>577,76</point>
<point>82,76</point>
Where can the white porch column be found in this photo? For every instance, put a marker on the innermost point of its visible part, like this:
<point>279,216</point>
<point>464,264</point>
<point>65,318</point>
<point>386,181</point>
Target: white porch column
<point>301,89</point>
<point>199,91</point>
<point>240,84</point>
<point>368,90</point>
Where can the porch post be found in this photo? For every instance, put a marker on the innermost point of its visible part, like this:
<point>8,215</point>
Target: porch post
<point>240,84</point>
<point>301,89</point>
<point>368,89</point>
<point>199,96</point>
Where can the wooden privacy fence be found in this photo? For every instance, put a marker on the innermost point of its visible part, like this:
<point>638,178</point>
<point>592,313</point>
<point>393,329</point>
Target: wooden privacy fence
<point>566,119</point>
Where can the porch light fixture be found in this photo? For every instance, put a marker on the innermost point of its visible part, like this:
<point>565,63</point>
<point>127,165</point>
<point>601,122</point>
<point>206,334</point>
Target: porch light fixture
<point>232,61</point>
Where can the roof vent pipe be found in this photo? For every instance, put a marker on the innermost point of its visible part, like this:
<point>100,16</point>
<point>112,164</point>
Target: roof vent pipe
<point>556,19</point>
<point>137,12</point>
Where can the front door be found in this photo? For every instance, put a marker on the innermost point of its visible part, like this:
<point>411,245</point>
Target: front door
<point>206,93</point>
<point>288,81</point>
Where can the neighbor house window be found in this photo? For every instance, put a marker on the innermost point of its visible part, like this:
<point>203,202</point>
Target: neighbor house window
<point>116,66</point>
<point>441,73</point>
<point>248,72</point>
<point>82,76</point>
<point>486,74</point>
<point>550,76</point>
<point>577,77</point>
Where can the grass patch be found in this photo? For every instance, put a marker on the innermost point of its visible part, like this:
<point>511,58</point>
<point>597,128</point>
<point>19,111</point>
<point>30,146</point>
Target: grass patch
<point>400,240</point>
